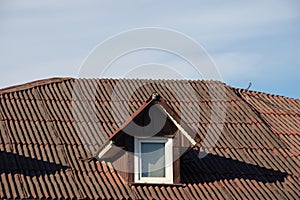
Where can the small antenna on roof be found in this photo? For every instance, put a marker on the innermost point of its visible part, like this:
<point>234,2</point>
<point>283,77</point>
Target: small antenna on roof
<point>249,86</point>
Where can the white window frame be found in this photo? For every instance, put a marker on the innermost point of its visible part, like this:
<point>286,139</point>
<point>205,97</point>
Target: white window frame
<point>168,160</point>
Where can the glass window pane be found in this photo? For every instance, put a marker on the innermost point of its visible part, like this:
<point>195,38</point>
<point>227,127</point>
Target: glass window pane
<point>153,159</point>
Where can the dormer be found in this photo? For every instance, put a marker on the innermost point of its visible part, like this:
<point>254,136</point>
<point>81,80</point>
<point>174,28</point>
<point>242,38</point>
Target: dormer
<point>146,149</point>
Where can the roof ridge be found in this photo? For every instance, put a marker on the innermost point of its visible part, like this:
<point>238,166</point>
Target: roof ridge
<point>242,90</point>
<point>150,79</point>
<point>32,84</point>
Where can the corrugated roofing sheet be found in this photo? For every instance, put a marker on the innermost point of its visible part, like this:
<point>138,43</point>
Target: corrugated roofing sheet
<point>42,154</point>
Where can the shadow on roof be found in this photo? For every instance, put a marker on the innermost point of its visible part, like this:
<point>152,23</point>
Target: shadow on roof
<point>213,168</point>
<point>19,164</point>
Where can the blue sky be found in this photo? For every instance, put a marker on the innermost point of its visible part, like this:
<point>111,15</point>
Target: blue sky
<point>254,42</point>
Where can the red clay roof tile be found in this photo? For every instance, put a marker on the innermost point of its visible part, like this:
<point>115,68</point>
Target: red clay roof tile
<point>42,155</point>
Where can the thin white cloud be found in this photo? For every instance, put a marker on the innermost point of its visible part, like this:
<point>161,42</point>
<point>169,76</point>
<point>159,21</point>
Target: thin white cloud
<point>234,21</point>
<point>36,33</point>
<point>58,68</point>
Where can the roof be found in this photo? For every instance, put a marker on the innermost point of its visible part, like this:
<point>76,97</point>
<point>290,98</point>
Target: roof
<point>43,156</point>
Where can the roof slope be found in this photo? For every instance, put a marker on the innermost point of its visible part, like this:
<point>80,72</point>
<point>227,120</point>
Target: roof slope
<point>44,156</point>
<point>281,114</point>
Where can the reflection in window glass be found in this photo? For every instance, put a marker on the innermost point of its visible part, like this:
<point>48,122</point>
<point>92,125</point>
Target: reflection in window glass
<point>153,159</point>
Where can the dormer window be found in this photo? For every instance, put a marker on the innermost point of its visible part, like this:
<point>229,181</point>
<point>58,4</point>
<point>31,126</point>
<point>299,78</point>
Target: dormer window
<point>146,155</point>
<point>153,160</point>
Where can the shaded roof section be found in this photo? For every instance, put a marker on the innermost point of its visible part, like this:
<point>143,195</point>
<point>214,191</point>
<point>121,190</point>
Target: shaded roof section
<point>257,154</point>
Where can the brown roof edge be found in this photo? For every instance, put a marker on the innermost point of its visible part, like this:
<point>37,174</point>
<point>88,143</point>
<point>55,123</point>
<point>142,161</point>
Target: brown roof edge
<point>253,92</point>
<point>154,97</point>
<point>32,84</point>
<point>136,113</point>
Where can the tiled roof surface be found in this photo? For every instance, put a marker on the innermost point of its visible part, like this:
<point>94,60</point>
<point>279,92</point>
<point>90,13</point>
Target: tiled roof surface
<point>42,154</point>
<point>281,114</point>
